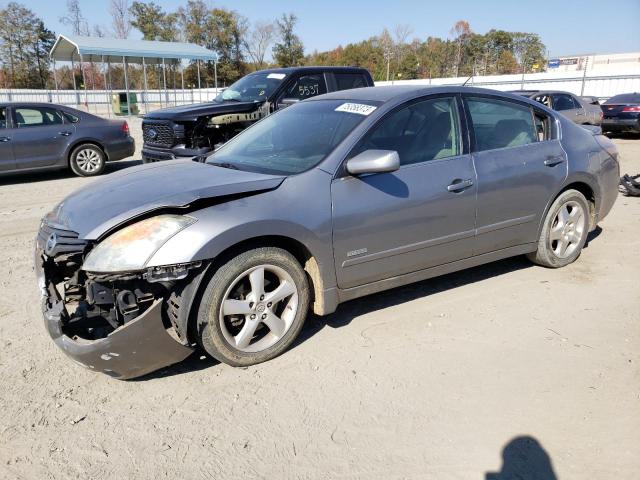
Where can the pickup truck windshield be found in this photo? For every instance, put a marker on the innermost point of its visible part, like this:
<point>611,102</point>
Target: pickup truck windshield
<point>252,88</point>
<point>294,139</point>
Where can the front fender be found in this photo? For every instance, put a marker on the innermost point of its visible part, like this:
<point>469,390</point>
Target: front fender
<point>277,213</point>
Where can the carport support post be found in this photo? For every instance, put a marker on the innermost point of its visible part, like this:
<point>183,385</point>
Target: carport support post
<point>164,81</point>
<point>199,87</point>
<point>215,75</point>
<point>104,77</point>
<point>84,80</point>
<point>73,77</point>
<point>126,86</point>
<point>110,85</point>
<point>146,89</point>
<point>182,80</point>
<point>55,81</point>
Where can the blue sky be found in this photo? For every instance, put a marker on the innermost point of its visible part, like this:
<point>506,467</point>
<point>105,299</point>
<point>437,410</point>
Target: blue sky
<point>565,26</point>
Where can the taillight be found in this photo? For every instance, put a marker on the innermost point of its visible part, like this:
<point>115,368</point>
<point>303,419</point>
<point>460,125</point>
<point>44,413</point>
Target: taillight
<point>125,128</point>
<point>635,108</point>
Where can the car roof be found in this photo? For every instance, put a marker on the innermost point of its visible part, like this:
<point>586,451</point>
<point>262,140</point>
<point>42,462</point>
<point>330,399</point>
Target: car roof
<point>33,104</point>
<point>289,70</point>
<point>389,93</point>
<point>542,92</point>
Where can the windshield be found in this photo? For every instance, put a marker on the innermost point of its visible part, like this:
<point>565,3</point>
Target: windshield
<point>253,88</point>
<point>294,139</point>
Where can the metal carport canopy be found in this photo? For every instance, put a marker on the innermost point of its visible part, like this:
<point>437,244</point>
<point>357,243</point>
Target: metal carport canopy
<point>100,49</point>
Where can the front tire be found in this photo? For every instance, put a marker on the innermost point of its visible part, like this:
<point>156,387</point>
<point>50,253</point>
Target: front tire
<point>564,231</point>
<point>254,307</point>
<point>87,160</point>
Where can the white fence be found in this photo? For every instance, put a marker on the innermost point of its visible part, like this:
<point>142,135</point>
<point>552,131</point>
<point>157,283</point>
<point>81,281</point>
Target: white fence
<point>590,83</point>
<point>99,101</point>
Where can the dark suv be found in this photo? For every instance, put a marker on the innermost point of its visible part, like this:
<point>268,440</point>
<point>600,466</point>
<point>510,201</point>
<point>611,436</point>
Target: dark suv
<point>194,130</point>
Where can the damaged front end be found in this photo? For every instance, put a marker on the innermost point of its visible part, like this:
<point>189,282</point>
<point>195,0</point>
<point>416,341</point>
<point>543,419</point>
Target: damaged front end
<point>122,324</point>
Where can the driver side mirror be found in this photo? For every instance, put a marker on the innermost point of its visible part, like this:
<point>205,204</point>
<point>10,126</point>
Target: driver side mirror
<point>285,102</point>
<point>374,161</point>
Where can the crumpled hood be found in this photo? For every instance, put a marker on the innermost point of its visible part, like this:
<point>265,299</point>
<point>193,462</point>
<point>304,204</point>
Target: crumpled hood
<point>193,112</point>
<point>116,198</point>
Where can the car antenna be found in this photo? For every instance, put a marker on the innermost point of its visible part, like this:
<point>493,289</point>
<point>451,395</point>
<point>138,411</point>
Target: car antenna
<point>465,82</point>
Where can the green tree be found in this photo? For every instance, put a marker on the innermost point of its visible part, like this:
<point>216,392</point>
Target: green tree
<point>24,47</point>
<point>289,51</point>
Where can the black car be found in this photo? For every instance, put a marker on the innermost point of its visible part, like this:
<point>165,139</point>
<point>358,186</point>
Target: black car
<point>622,113</point>
<point>194,130</point>
<point>40,136</point>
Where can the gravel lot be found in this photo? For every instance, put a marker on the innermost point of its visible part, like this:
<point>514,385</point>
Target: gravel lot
<point>431,380</point>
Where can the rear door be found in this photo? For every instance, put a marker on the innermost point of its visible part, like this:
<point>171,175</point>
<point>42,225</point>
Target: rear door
<point>7,161</point>
<point>520,164</point>
<point>569,107</point>
<point>41,136</point>
<point>419,216</point>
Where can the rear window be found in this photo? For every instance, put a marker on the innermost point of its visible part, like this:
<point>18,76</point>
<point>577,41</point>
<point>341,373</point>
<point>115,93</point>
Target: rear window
<point>624,98</point>
<point>71,117</point>
<point>346,81</point>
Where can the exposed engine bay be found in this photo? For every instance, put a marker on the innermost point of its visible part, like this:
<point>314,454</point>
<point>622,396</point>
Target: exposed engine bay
<point>95,305</point>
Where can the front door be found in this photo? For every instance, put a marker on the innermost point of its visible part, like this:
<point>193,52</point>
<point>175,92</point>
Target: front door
<point>41,137</point>
<point>7,161</point>
<point>520,164</point>
<point>417,217</point>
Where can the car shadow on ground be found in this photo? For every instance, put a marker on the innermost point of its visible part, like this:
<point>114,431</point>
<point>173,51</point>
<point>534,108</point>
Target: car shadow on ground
<point>348,311</point>
<point>524,458</point>
<point>44,176</point>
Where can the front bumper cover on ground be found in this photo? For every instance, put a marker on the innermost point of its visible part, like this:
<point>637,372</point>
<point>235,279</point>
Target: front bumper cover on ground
<point>141,346</point>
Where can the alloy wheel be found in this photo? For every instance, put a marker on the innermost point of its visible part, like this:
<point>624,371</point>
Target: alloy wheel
<point>567,230</point>
<point>259,308</point>
<point>88,160</point>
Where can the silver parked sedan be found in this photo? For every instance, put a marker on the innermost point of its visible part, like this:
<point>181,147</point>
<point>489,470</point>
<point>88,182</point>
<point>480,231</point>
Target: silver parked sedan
<point>330,199</point>
<point>45,136</point>
<point>581,110</point>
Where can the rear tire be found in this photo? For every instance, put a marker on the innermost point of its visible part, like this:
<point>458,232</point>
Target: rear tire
<point>564,231</point>
<point>254,307</point>
<point>87,160</point>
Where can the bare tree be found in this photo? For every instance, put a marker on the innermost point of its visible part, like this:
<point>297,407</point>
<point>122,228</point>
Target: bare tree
<point>121,21</point>
<point>99,31</point>
<point>402,32</point>
<point>258,41</point>
<point>79,25</point>
<point>461,31</point>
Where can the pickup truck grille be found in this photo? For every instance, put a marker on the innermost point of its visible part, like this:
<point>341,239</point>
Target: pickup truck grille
<point>159,133</point>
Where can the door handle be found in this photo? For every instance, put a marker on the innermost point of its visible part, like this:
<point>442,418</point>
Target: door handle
<point>65,133</point>
<point>5,139</point>
<point>553,160</point>
<point>458,185</point>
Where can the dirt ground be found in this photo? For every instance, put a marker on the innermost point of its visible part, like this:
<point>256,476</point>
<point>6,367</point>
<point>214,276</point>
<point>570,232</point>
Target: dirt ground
<point>443,379</point>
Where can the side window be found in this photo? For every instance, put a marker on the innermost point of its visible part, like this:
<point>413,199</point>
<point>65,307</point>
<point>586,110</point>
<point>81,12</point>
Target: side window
<point>423,131</point>
<point>37,117</point>
<point>544,99</point>
<point>563,102</point>
<point>307,86</point>
<point>544,127</point>
<point>500,124</point>
<point>346,81</point>
<point>3,117</point>
<point>576,102</point>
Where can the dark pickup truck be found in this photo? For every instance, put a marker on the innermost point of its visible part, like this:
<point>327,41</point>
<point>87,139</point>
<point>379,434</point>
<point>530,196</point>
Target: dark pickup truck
<point>193,130</point>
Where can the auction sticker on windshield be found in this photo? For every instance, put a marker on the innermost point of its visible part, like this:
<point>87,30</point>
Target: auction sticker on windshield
<point>278,76</point>
<point>359,108</point>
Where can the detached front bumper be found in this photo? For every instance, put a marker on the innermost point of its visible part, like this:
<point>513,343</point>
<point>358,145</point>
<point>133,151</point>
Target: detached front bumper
<point>132,350</point>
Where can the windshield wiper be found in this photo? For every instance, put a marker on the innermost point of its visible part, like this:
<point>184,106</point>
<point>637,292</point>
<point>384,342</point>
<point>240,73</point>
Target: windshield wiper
<point>225,165</point>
